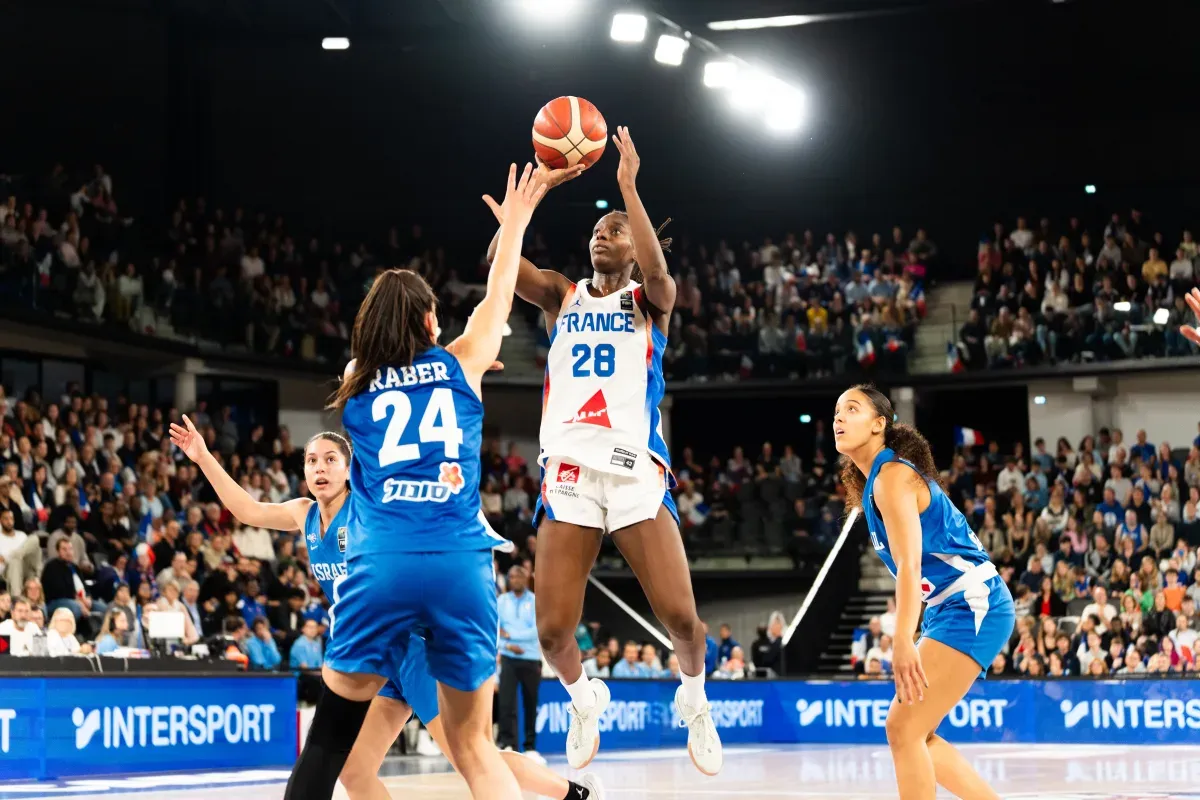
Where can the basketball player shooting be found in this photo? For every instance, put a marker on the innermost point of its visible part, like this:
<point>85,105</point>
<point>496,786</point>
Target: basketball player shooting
<point>605,465</point>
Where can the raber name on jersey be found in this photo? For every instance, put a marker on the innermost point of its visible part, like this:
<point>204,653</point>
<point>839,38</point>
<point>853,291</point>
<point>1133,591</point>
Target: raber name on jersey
<point>597,322</point>
<point>328,572</point>
<point>398,378</point>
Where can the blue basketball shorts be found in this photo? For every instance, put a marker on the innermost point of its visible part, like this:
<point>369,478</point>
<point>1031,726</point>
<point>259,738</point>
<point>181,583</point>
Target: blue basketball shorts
<point>977,621</point>
<point>389,599</point>
<point>412,684</point>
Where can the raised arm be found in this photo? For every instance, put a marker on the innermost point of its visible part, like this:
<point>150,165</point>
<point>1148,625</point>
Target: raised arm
<point>543,288</point>
<point>287,516</point>
<point>479,344</point>
<point>657,282</point>
<point>897,494</point>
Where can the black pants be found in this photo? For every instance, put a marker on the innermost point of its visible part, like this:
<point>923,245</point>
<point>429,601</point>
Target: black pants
<point>528,675</point>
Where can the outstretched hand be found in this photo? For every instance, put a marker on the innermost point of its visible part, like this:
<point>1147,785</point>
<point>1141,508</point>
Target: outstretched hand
<point>627,170</point>
<point>188,439</point>
<point>1193,301</point>
<point>543,176</point>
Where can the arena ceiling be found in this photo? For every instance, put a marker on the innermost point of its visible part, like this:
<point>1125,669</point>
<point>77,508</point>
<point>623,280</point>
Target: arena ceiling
<point>375,17</point>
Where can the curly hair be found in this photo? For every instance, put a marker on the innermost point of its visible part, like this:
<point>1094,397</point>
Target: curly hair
<point>905,440</point>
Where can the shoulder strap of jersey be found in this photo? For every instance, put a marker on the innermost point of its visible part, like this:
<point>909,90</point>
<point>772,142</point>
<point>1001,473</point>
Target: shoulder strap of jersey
<point>569,298</point>
<point>310,540</point>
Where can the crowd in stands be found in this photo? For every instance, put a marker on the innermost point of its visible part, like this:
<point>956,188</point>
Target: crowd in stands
<point>245,280</point>
<point>250,280</point>
<point>724,658</point>
<point>103,523</point>
<point>1098,545</point>
<point>794,307</point>
<point>1066,294</point>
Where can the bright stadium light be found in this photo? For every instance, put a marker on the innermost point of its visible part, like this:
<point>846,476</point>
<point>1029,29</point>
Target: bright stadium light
<point>1090,188</point>
<point>1161,316</point>
<point>720,74</point>
<point>335,43</point>
<point>786,110</point>
<point>670,50</point>
<point>1039,400</point>
<point>601,204</point>
<point>750,90</point>
<point>628,27</point>
<point>1122,306</point>
<point>762,22</point>
<point>805,419</point>
<point>551,11</point>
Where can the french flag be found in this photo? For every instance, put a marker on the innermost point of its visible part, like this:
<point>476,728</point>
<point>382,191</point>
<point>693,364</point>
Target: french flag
<point>865,350</point>
<point>953,359</point>
<point>968,437</point>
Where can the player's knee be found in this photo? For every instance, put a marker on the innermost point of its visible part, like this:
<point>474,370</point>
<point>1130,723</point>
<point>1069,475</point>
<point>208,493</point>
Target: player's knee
<point>901,730</point>
<point>469,749</point>
<point>683,622</point>
<point>554,637</point>
<point>357,777</point>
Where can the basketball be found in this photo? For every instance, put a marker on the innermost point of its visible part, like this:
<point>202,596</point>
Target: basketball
<point>568,131</point>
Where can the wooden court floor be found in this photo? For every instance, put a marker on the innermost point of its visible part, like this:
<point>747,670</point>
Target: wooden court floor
<point>1075,772</point>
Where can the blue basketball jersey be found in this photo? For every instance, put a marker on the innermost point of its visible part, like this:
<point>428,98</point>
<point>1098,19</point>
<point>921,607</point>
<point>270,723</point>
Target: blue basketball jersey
<point>327,549</point>
<point>416,432</point>
<point>948,545</point>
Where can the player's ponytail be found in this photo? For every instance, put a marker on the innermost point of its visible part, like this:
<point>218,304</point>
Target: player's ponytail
<point>904,439</point>
<point>663,242</point>
<point>389,329</point>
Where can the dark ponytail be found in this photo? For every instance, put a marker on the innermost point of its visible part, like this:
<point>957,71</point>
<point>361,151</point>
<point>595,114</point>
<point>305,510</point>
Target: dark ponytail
<point>908,443</point>
<point>389,329</point>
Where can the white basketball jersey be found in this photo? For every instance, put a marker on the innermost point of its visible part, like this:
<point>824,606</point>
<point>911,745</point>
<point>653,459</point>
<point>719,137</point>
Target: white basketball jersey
<point>604,383</point>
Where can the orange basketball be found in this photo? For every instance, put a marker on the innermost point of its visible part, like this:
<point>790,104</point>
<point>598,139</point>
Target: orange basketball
<point>569,131</point>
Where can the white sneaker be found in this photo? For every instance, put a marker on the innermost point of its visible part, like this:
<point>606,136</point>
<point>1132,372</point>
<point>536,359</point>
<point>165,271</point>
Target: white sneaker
<point>583,738</point>
<point>704,745</point>
<point>535,756</point>
<point>591,782</point>
<point>426,746</point>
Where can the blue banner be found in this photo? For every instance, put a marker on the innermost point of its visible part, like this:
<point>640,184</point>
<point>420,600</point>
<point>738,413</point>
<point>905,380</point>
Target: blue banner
<point>642,713</point>
<point>62,727</point>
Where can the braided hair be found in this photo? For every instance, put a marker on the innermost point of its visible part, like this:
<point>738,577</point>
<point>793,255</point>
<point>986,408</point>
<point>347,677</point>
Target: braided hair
<point>664,243</point>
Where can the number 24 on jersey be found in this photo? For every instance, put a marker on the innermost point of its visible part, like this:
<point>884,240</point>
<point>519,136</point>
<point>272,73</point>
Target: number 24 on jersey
<point>439,423</point>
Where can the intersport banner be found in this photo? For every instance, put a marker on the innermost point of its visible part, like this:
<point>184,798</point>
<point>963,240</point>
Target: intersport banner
<point>642,713</point>
<point>62,727</point>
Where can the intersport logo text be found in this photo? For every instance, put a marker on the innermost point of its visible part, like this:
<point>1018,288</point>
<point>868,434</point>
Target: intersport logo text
<point>173,726</point>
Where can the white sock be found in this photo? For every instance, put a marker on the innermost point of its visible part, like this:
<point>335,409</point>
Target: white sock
<point>693,689</point>
<point>581,691</point>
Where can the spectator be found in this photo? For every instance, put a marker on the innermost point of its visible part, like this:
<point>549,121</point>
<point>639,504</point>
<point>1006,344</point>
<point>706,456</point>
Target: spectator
<point>170,602</point>
<point>20,553</point>
<point>734,668</point>
<point>711,651</point>
<point>726,645</point>
<point>308,651</point>
<point>599,665</point>
<point>114,632</point>
<point>261,648</point>
<point>64,587</point>
<point>520,662</point>
<point>630,665</point>
<point>60,635</point>
<point>768,648</point>
<point>19,628</point>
